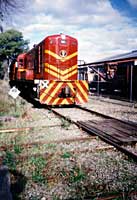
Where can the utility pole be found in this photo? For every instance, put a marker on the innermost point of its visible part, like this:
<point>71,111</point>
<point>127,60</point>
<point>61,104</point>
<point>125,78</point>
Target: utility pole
<point>1,20</point>
<point>131,83</point>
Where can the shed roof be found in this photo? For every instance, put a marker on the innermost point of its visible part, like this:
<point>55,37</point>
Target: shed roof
<point>132,54</point>
<point>120,57</point>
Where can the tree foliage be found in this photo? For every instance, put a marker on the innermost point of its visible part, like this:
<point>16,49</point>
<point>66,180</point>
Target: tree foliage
<point>12,44</point>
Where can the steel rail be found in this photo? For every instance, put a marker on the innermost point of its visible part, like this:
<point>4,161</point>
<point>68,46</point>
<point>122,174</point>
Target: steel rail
<point>11,130</point>
<point>45,142</point>
<point>114,100</point>
<point>106,116</point>
<point>94,131</point>
<point>108,140</point>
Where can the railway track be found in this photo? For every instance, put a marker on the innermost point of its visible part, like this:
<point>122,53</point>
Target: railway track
<point>115,132</point>
<point>120,134</point>
<point>114,100</point>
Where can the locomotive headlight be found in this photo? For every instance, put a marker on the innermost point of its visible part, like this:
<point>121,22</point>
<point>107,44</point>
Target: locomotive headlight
<point>63,37</point>
<point>67,90</point>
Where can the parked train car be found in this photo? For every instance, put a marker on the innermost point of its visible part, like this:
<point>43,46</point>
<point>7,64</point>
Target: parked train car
<point>49,72</point>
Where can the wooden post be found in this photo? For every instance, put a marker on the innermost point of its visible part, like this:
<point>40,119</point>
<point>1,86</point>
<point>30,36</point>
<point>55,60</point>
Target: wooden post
<point>98,83</point>
<point>15,105</point>
<point>131,83</point>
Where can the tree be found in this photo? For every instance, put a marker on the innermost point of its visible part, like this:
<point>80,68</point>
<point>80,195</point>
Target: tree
<point>11,44</point>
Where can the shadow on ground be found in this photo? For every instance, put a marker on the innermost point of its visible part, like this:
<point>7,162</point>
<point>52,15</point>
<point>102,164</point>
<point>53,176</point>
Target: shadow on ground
<point>18,183</point>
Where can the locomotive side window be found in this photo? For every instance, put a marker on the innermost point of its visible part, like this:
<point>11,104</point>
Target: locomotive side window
<point>52,41</point>
<point>41,55</point>
<point>38,58</point>
<point>74,43</point>
<point>20,62</point>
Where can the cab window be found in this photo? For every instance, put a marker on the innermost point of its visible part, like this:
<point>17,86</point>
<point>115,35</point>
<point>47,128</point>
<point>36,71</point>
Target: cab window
<point>20,62</point>
<point>63,41</point>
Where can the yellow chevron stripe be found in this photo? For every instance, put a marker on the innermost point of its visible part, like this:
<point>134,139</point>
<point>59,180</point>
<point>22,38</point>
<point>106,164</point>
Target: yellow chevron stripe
<point>42,95</point>
<point>70,56</point>
<point>64,101</point>
<point>55,101</point>
<point>79,97</point>
<point>52,73</point>
<point>57,75</point>
<point>54,92</point>
<point>59,57</point>
<point>85,83</point>
<point>46,91</point>
<point>71,87</point>
<point>69,74</point>
<point>21,70</point>
<point>77,94</point>
<point>62,72</point>
<point>81,89</point>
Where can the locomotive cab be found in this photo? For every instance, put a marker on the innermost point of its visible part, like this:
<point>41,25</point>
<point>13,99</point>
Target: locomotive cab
<point>20,66</point>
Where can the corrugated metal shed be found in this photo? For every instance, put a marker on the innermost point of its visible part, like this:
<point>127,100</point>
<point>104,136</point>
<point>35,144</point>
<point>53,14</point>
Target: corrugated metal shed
<point>127,60</point>
<point>125,57</point>
<point>129,55</point>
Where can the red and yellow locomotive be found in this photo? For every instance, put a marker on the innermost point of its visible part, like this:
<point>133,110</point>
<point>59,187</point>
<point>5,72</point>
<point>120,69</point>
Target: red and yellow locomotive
<point>49,72</point>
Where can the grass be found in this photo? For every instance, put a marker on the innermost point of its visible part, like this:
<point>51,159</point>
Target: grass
<point>65,124</point>
<point>10,155</point>
<point>109,175</point>
<point>76,175</point>
<point>66,155</point>
<point>10,160</point>
<point>6,102</point>
<point>8,105</point>
<point>38,165</point>
<point>17,149</point>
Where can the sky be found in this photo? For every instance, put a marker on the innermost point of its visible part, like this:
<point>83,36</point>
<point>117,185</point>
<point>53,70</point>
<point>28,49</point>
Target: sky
<point>103,28</point>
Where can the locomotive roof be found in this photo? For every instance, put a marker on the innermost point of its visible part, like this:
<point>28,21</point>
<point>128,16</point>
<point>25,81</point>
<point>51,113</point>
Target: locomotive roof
<point>51,36</point>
